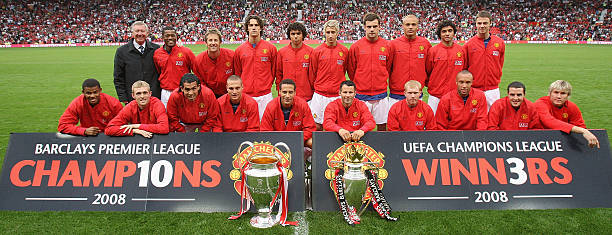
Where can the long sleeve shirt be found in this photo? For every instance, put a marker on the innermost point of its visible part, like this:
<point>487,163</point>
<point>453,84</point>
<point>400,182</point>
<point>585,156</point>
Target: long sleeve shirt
<point>152,118</point>
<point>485,63</point>
<point>300,118</point>
<point>172,66</point>
<point>256,67</point>
<point>328,68</point>
<point>80,115</point>
<point>502,116</point>
<point>409,58</point>
<point>357,117</point>
<point>455,114</point>
<point>405,118</point>
<point>563,118</point>
<point>214,73</point>
<point>294,63</point>
<point>245,119</point>
<point>203,111</point>
<point>369,64</point>
<point>443,64</point>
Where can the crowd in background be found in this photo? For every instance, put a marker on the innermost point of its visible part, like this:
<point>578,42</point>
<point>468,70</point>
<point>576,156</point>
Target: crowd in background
<point>91,21</point>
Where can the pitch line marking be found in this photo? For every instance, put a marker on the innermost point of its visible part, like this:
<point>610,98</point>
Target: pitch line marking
<point>544,196</point>
<point>438,198</point>
<point>165,199</point>
<point>56,199</point>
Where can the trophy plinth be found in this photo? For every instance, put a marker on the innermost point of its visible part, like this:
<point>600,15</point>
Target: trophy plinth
<point>262,180</point>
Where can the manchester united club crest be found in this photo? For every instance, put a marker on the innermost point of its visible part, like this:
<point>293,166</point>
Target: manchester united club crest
<point>201,105</point>
<point>496,44</point>
<point>355,114</point>
<point>376,160</point>
<point>474,102</point>
<point>458,54</point>
<point>265,51</point>
<point>105,113</point>
<point>419,114</point>
<point>258,148</point>
<point>565,115</point>
<point>340,54</point>
<point>306,56</point>
<point>243,111</point>
<point>524,116</point>
<point>228,64</point>
<point>383,49</point>
<point>179,55</point>
<point>421,48</point>
<point>296,114</point>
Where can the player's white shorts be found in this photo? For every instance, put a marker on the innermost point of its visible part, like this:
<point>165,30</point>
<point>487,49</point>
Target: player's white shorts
<point>317,105</point>
<point>492,96</point>
<point>262,102</point>
<point>165,96</point>
<point>379,109</point>
<point>433,102</point>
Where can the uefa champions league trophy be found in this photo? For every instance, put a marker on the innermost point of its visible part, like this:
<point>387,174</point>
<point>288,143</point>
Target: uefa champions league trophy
<point>264,181</point>
<point>354,179</point>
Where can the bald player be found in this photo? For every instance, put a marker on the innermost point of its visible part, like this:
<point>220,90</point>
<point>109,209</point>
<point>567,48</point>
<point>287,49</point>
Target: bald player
<point>463,109</point>
<point>238,111</point>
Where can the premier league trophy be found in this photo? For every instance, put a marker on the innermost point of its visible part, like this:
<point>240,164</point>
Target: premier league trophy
<point>354,179</point>
<point>264,182</point>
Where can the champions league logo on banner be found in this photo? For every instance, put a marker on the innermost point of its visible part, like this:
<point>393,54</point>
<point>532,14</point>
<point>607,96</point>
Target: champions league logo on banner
<point>356,177</point>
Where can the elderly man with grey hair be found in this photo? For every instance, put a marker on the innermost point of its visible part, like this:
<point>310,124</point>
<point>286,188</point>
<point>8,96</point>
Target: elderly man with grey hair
<point>134,62</point>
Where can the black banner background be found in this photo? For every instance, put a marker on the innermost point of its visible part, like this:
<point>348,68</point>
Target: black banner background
<point>213,147</point>
<point>591,170</point>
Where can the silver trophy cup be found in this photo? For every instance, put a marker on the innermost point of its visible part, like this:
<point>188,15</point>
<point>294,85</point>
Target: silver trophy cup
<point>262,181</point>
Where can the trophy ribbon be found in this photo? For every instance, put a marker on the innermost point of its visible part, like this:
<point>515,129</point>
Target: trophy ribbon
<point>281,217</point>
<point>243,194</point>
<point>350,216</point>
<point>379,203</point>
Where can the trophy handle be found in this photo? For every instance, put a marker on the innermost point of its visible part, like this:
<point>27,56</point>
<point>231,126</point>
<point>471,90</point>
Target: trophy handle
<point>240,148</point>
<point>285,146</point>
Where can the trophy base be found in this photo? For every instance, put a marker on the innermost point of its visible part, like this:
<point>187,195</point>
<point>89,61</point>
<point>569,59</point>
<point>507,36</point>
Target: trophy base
<point>262,222</point>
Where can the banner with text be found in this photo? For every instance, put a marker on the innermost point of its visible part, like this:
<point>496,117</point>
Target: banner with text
<point>459,170</point>
<point>175,172</point>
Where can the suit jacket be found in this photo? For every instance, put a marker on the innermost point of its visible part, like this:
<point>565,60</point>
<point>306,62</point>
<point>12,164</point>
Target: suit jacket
<point>131,66</point>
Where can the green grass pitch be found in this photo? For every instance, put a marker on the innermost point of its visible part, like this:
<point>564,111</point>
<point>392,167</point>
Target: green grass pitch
<point>37,84</point>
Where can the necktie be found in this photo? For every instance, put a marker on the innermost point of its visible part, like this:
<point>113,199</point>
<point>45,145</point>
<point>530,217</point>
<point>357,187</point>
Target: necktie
<point>141,49</point>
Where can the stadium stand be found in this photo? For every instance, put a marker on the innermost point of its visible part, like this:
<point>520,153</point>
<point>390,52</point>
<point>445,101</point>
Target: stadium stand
<point>99,21</point>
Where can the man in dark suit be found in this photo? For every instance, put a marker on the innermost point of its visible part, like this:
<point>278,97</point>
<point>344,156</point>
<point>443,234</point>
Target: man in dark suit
<point>134,61</point>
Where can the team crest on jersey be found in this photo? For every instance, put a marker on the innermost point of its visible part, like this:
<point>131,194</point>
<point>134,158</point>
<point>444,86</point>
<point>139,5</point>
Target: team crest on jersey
<point>228,64</point>
<point>496,44</point>
<point>105,113</point>
<point>265,51</point>
<point>201,105</point>
<point>524,116</point>
<point>340,54</point>
<point>474,102</point>
<point>296,114</point>
<point>419,115</point>
<point>355,114</point>
<point>458,54</point>
<point>306,56</point>
<point>243,111</point>
<point>565,115</point>
<point>383,49</point>
<point>179,55</point>
<point>421,48</point>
